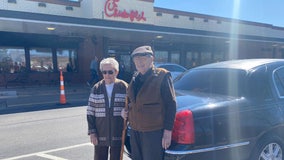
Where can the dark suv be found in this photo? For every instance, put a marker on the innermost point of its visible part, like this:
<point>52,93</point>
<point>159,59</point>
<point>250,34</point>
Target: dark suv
<point>232,110</point>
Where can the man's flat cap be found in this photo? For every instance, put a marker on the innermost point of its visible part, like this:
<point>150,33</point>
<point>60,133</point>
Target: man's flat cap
<point>142,51</point>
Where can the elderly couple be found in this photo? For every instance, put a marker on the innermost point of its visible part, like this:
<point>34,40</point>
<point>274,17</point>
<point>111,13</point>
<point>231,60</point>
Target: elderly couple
<point>150,112</point>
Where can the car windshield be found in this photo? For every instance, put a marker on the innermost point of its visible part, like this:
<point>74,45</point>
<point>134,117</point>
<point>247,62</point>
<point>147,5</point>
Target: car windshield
<point>214,81</point>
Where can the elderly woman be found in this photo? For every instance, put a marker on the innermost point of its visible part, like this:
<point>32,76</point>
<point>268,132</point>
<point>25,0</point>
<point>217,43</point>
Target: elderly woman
<point>106,101</point>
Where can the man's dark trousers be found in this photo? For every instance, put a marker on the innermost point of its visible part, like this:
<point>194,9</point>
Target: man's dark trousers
<point>146,145</point>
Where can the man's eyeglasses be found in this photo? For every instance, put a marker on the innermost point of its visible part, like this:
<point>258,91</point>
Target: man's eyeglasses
<point>108,72</point>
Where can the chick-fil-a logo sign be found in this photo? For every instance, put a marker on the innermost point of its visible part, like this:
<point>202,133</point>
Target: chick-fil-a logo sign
<point>112,10</point>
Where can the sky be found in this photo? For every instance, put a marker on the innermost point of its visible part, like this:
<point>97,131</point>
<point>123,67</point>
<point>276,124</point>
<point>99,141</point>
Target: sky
<point>263,11</point>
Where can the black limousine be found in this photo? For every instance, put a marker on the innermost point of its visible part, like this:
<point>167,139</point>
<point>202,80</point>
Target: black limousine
<point>231,110</point>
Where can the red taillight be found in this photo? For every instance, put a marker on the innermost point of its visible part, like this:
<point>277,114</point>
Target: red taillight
<point>183,131</point>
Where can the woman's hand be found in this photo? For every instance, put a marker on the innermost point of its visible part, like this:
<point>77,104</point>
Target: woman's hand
<point>94,139</point>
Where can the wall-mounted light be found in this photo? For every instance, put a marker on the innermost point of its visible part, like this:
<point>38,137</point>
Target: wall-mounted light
<point>176,16</point>
<point>159,37</point>
<point>69,8</point>
<point>159,14</point>
<point>40,4</point>
<point>191,18</point>
<point>50,28</point>
<point>12,1</point>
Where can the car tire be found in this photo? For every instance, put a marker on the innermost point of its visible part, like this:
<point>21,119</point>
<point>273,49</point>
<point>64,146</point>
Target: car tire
<point>268,148</point>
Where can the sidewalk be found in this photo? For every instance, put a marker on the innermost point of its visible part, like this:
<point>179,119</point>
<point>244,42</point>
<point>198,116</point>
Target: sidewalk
<point>39,97</point>
<point>48,89</point>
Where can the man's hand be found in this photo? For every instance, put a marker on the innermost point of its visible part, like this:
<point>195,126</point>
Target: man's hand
<point>167,138</point>
<point>94,139</point>
<point>124,114</point>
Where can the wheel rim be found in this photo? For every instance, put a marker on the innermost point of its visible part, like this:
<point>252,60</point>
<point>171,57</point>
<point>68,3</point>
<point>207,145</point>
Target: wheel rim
<point>272,151</point>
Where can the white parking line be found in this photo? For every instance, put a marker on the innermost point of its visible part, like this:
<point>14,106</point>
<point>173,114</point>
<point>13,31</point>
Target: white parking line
<point>43,153</point>
<point>50,156</point>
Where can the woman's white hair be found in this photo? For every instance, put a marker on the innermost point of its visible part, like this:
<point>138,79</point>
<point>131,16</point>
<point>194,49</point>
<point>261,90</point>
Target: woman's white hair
<point>110,61</point>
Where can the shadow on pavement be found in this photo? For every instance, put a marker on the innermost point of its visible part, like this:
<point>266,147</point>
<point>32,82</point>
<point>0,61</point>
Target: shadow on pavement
<point>20,109</point>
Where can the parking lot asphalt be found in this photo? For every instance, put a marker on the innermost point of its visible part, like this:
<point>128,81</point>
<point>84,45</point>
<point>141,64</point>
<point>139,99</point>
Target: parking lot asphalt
<point>80,151</point>
<point>47,127</point>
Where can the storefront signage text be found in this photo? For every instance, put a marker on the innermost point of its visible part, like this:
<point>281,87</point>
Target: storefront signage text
<point>112,10</point>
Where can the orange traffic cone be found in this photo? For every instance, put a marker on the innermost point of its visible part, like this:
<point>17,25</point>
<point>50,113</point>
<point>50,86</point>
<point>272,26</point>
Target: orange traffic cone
<point>62,92</point>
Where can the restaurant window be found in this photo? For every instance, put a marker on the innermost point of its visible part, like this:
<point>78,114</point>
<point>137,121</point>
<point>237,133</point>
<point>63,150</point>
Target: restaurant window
<point>205,58</point>
<point>67,60</point>
<point>161,56</point>
<point>191,59</point>
<point>12,60</point>
<point>124,62</point>
<point>218,56</point>
<point>175,58</point>
<point>41,60</point>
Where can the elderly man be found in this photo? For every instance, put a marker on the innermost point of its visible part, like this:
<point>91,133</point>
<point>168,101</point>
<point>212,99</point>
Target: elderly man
<point>152,107</point>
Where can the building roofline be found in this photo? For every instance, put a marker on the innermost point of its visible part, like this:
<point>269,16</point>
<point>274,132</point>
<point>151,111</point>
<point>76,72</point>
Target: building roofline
<point>205,16</point>
<point>126,26</point>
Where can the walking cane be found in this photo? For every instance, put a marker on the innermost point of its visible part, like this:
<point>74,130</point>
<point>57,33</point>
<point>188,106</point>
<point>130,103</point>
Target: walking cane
<point>123,131</point>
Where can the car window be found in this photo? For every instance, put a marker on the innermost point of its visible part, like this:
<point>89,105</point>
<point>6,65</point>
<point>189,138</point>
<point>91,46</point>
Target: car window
<point>278,78</point>
<point>216,81</point>
<point>172,68</point>
<point>258,84</point>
